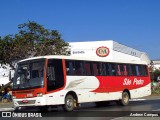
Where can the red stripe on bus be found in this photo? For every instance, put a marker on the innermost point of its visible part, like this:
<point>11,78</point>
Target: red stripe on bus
<point>115,84</point>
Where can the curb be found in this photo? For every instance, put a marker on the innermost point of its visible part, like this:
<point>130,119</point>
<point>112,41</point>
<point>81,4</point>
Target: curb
<point>151,97</point>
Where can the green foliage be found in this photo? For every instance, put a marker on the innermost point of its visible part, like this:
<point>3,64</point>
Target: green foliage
<point>156,73</point>
<point>155,88</point>
<point>31,40</point>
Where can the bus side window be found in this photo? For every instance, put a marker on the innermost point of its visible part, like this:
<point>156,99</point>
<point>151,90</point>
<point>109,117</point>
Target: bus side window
<point>129,70</point>
<point>113,69</point>
<point>133,70</point>
<point>79,70</point>
<point>95,68</point>
<point>119,72</point>
<point>74,67</point>
<point>139,70</point>
<point>101,69</point>
<point>122,69</point>
<point>87,68</point>
<point>144,70</point>
<point>104,69</point>
<point>108,68</point>
<point>125,70</point>
<point>69,68</point>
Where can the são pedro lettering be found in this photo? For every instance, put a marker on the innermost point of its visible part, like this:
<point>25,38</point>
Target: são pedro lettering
<point>134,82</point>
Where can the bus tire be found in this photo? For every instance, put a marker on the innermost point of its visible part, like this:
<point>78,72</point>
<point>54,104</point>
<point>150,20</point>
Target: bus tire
<point>16,109</point>
<point>69,103</point>
<point>125,99</point>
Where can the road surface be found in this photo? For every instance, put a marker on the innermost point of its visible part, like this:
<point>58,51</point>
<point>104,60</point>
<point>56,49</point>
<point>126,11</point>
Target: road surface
<point>137,109</point>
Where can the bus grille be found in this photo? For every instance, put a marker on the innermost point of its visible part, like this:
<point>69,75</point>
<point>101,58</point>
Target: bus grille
<point>29,102</point>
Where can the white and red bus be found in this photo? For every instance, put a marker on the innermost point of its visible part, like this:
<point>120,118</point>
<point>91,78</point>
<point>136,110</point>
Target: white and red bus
<point>69,81</point>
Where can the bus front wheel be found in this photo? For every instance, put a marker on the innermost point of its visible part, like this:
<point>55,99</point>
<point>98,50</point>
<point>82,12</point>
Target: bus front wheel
<point>125,99</point>
<point>69,103</point>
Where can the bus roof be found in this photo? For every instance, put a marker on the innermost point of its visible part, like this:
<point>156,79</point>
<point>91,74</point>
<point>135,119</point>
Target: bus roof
<point>85,58</point>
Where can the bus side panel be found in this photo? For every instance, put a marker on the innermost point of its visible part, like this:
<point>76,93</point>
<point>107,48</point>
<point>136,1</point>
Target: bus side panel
<point>90,88</point>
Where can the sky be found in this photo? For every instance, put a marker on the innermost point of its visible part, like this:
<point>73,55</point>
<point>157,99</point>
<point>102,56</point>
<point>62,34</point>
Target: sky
<point>135,23</point>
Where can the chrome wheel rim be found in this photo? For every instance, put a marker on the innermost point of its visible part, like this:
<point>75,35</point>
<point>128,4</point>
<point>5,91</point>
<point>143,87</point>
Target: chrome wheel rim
<point>69,103</point>
<point>125,98</point>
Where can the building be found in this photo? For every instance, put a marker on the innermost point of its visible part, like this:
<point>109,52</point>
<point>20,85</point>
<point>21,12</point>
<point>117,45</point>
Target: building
<point>156,64</point>
<point>4,74</point>
<point>108,49</point>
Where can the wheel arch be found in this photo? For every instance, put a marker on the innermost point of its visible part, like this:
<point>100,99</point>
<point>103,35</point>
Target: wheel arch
<point>73,94</point>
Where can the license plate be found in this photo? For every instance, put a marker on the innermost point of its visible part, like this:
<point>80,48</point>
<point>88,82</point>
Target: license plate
<point>25,101</point>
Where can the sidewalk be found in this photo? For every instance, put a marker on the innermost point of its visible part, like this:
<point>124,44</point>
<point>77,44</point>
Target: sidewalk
<point>152,97</point>
<point>6,105</point>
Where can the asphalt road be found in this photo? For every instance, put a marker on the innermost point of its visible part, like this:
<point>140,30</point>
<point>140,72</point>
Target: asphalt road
<point>137,109</point>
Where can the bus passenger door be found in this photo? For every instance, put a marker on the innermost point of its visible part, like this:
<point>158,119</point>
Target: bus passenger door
<point>55,79</point>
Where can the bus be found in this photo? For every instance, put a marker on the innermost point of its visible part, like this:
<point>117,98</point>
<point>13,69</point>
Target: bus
<point>69,81</point>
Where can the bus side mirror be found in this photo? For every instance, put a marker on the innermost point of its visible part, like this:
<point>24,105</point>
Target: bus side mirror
<point>11,76</point>
<point>19,71</point>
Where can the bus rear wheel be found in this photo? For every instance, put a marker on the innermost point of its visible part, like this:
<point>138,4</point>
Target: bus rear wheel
<point>125,99</point>
<point>69,103</point>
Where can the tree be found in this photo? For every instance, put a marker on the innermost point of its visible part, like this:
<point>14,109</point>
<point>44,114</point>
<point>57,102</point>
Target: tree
<point>31,40</point>
<point>156,74</point>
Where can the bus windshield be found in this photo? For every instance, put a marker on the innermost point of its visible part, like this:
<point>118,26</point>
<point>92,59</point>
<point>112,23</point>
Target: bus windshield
<point>29,74</point>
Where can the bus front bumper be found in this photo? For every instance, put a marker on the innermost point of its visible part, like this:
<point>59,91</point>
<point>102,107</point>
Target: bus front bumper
<point>35,101</point>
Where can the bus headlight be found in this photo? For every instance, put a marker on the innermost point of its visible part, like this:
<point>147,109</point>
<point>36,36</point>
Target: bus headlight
<point>39,94</point>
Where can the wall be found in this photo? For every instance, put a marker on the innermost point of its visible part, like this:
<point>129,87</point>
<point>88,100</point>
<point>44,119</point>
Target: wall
<point>116,50</point>
<point>88,49</point>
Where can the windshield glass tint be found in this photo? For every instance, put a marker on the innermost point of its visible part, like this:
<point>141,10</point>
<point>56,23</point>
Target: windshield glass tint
<point>29,74</point>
